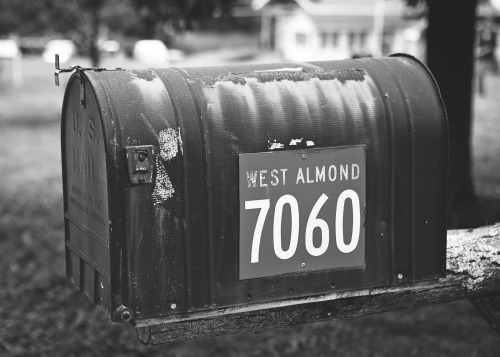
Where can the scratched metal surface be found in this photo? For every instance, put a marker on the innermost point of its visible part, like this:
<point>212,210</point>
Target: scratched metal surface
<point>174,242</point>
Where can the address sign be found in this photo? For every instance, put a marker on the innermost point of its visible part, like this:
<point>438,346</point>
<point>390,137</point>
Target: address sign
<point>301,211</point>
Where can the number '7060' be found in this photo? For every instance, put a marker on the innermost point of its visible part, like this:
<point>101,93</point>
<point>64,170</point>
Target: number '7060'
<point>313,222</point>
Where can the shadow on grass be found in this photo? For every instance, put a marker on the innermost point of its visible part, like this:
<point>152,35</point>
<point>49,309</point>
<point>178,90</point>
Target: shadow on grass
<point>484,211</point>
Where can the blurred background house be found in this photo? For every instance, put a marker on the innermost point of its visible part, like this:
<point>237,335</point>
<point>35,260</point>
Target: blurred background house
<point>303,30</point>
<point>239,30</point>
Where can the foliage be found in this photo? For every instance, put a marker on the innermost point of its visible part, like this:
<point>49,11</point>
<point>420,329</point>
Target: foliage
<point>38,17</point>
<point>77,20</point>
<point>159,18</point>
<point>86,21</point>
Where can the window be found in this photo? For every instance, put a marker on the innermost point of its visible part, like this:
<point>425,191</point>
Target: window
<point>300,39</point>
<point>362,40</point>
<point>323,39</point>
<point>387,41</point>
<point>329,39</point>
<point>352,39</point>
<point>335,39</point>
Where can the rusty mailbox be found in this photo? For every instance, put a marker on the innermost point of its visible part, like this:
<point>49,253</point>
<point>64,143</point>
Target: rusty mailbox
<point>191,190</point>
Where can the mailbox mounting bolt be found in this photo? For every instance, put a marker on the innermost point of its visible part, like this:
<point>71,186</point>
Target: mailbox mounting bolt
<point>173,306</point>
<point>400,276</point>
<point>126,315</point>
<point>303,265</point>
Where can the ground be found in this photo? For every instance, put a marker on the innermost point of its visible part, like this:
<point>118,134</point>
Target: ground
<point>42,314</point>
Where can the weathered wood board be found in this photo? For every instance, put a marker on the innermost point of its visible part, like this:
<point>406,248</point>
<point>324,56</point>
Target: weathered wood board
<point>473,272</point>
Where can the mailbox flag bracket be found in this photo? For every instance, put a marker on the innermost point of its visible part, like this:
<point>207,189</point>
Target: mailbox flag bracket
<point>140,163</point>
<point>79,70</point>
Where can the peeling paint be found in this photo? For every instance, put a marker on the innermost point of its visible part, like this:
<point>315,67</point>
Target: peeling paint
<point>147,75</point>
<point>343,76</point>
<point>179,140</point>
<point>275,145</point>
<point>163,186</point>
<point>292,69</point>
<point>169,143</point>
<point>295,142</point>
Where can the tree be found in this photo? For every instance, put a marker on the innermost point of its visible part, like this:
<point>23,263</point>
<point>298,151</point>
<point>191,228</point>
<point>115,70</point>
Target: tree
<point>78,20</point>
<point>83,21</point>
<point>161,18</point>
<point>450,57</point>
<point>15,17</point>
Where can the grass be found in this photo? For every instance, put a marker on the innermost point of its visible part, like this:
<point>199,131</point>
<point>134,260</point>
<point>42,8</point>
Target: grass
<point>42,314</point>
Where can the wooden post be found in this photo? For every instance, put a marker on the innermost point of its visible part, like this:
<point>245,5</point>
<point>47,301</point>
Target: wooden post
<point>473,272</point>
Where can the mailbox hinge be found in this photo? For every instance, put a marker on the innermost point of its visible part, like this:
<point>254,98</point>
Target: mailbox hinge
<point>79,70</point>
<point>140,162</point>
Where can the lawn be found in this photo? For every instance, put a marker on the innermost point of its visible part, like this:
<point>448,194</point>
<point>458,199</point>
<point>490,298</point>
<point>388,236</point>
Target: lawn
<point>42,314</point>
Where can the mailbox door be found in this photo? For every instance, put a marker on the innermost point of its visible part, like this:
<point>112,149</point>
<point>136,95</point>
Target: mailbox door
<point>85,183</point>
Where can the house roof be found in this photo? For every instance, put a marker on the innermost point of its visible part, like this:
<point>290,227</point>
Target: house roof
<point>339,7</point>
<point>345,13</point>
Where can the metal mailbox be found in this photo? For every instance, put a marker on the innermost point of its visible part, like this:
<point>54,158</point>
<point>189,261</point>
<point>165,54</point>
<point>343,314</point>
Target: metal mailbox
<point>188,190</point>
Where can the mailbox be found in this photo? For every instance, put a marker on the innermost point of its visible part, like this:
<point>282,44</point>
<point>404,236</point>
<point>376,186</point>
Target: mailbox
<point>189,190</point>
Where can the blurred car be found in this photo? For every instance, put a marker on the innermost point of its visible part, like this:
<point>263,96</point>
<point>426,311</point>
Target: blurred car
<point>64,48</point>
<point>176,55</point>
<point>151,52</point>
<point>109,46</point>
<point>9,48</point>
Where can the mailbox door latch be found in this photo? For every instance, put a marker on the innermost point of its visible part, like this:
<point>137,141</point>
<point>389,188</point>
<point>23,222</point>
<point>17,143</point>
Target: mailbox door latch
<point>140,162</point>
